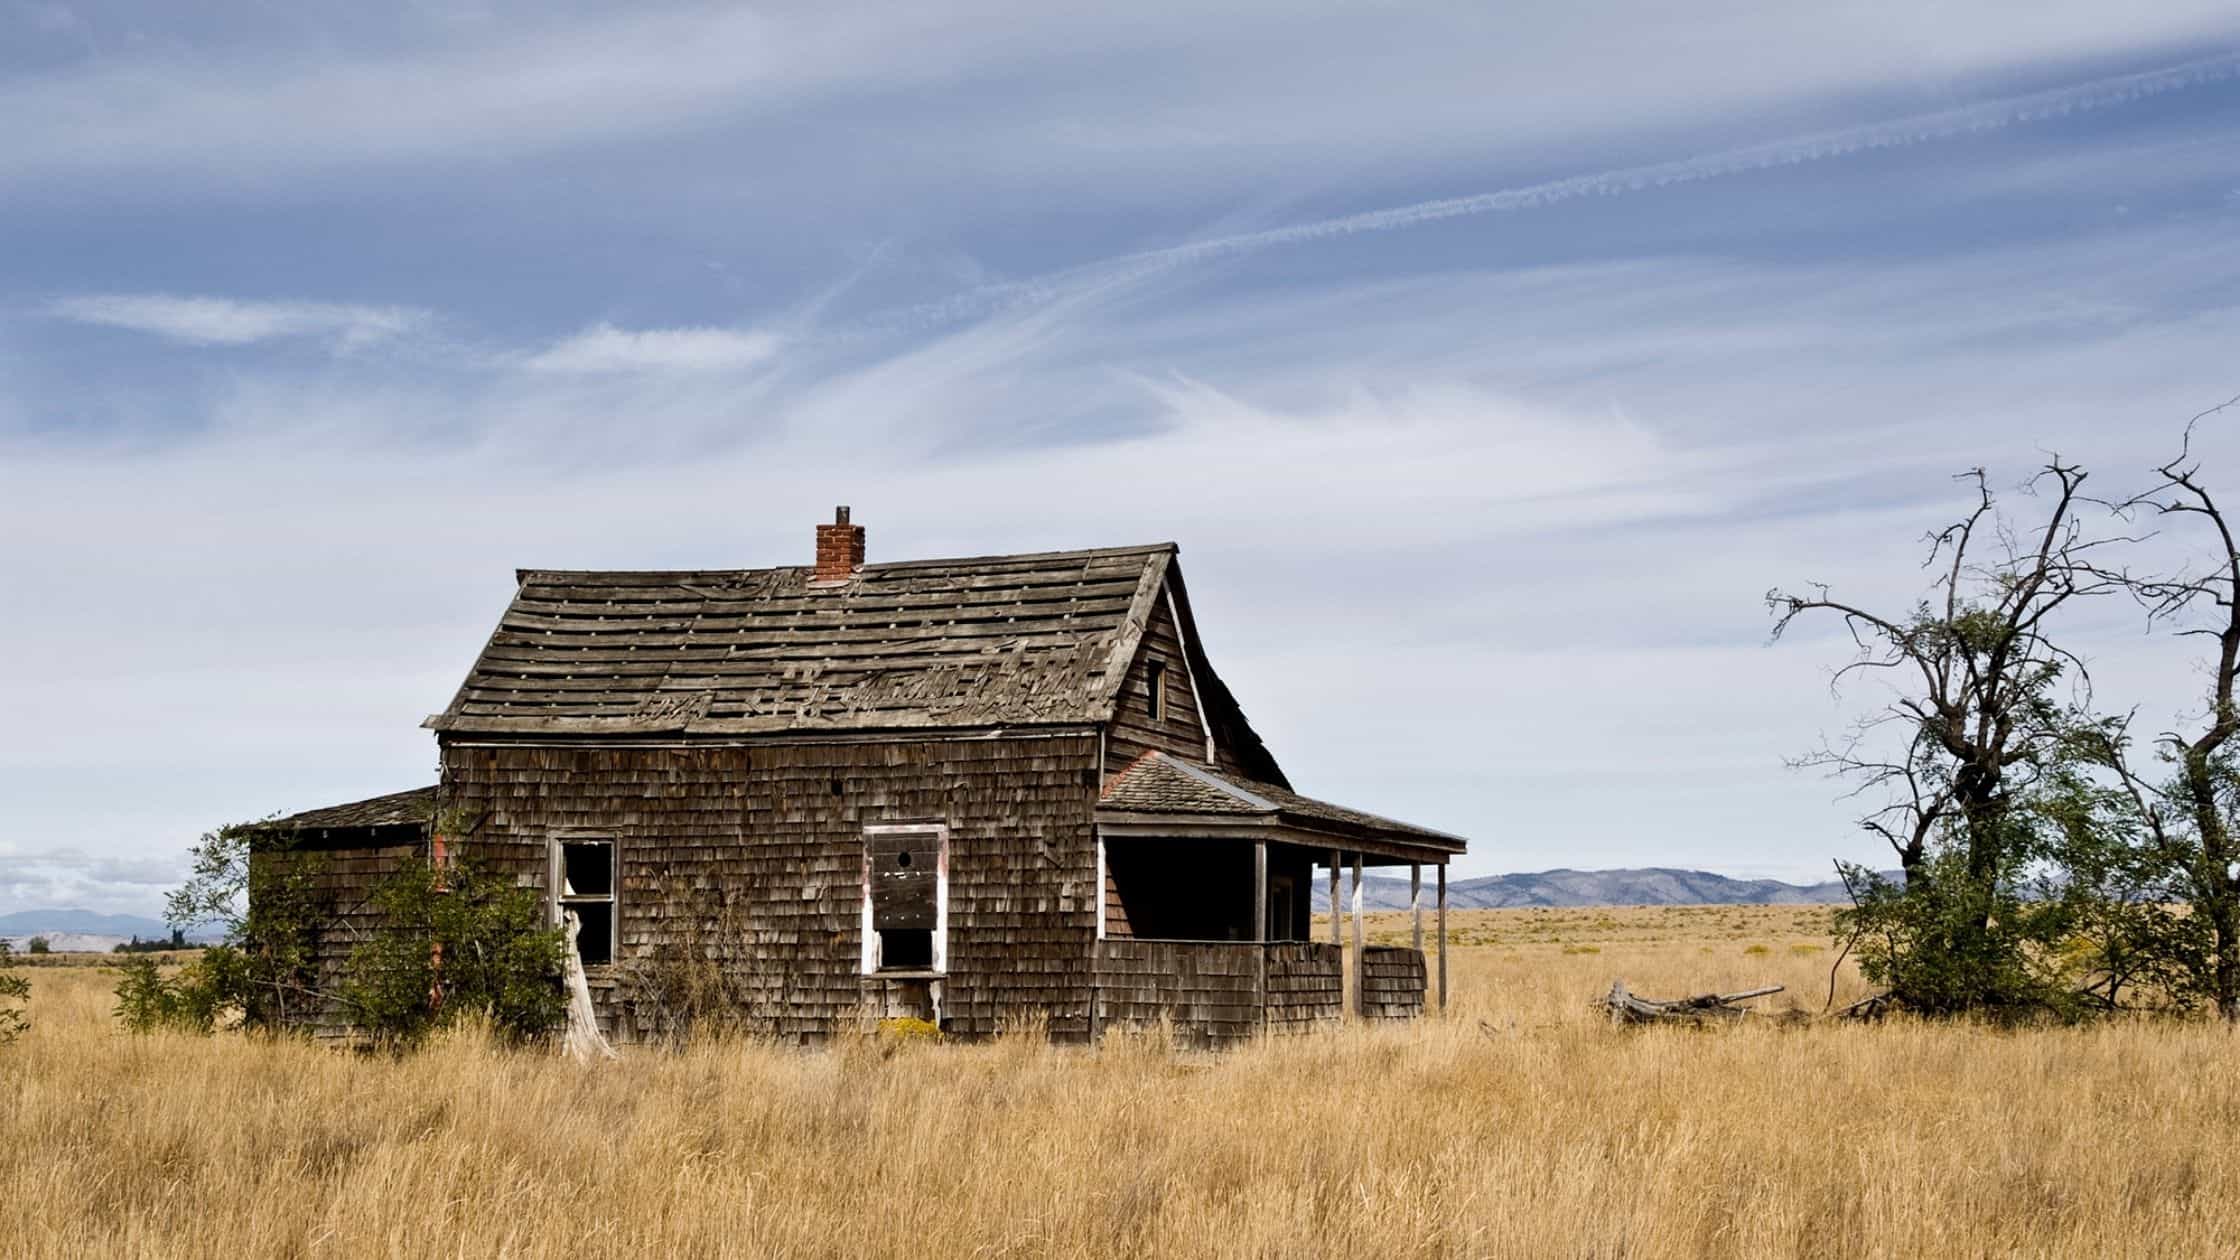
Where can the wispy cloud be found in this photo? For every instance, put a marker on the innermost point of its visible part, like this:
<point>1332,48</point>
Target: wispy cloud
<point>1973,119</point>
<point>73,878</point>
<point>605,348</point>
<point>1005,89</point>
<point>216,321</point>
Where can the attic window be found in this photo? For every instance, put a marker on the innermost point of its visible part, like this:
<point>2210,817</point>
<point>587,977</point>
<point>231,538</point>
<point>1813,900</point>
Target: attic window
<point>583,883</point>
<point>1155,683</point>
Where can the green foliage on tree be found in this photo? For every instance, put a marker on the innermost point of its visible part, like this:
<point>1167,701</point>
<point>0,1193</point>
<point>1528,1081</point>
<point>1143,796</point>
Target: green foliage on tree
<point>1957,944</point>
<point>457,941</point>
<point>250,881</point>
<point>15,996</point>
<point>38,945</point>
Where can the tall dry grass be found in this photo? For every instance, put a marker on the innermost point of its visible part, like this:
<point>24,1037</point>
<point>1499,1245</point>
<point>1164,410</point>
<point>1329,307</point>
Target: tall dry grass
<point>1521,1125</point>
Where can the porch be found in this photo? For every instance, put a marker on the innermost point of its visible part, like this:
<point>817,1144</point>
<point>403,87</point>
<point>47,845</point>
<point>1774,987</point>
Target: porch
<point>1208,916</point>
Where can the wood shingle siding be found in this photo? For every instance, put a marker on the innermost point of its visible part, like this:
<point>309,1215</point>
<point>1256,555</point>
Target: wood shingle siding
<point>1216,993</point>
<point>1132,731</point>
<point>747,854</point>
<point>1210,993</point>
<point>1305,985</point>
<point>1392,982</point>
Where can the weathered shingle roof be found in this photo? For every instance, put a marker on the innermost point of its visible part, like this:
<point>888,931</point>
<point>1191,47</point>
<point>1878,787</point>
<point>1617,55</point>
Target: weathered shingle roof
<point>398,809</point>
<point>1162,784</point>
<point>991,641</point>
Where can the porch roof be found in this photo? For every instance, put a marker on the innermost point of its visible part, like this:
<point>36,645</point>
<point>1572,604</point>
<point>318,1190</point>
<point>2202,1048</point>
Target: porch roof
<point>1162,794</point>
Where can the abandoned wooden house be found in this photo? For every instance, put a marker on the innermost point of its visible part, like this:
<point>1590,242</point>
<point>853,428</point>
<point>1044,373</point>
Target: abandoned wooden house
<point>967,790</point>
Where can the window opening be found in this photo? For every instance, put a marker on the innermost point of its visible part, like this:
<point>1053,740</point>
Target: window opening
<point>1156,678</point>
<point>905,898</point>
<point>584,885</point>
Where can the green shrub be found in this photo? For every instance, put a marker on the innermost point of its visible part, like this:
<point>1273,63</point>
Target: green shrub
<point>146,1002</point>
<point>456,941</point>
<point>15,995</point>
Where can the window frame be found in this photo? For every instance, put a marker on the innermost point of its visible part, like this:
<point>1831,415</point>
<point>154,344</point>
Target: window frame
<point>556,874</point>
<point>869,940</point>
<point>1155,689</point>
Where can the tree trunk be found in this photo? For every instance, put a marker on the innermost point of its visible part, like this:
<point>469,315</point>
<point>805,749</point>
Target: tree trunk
<point>2217,887</point>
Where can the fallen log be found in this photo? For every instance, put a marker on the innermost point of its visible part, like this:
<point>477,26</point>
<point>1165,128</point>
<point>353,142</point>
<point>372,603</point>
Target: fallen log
<point>1867,1008</point>
<point>1703,1008</point>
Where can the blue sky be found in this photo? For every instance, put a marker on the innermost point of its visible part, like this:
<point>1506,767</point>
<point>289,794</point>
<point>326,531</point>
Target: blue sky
<point>1488,364</point>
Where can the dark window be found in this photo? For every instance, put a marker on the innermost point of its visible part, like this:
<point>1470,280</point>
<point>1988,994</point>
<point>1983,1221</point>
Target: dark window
<point>1155,679</point>
<point>587,869</point>
<point>908,949</point>
<point>595,937</point>
<point>585,888</point>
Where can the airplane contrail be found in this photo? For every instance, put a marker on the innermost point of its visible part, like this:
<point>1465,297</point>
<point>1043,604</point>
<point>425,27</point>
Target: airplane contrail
<point>1984,116</point>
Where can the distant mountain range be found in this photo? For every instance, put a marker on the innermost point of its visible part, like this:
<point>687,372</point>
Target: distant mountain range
<point>83,929</point>
<point>1640,886</point>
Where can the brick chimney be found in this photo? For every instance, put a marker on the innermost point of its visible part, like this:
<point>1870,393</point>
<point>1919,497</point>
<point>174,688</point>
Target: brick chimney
<point>839,548</point>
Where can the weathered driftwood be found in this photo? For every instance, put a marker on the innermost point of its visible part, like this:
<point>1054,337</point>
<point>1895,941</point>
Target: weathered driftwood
<point>1703,1008</point>
<point>583,1041</point>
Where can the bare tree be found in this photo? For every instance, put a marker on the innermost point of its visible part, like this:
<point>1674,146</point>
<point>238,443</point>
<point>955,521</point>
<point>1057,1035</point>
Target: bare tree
<point>1976,668</point>
<point>2187,820</point>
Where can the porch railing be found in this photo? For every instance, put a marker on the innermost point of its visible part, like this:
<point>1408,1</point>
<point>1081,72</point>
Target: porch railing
<point>1217,992</point>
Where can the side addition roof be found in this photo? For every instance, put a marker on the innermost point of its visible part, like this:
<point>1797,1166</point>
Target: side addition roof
<point>984,642</point>
<point>1161,794</point>
<point>400,813</point>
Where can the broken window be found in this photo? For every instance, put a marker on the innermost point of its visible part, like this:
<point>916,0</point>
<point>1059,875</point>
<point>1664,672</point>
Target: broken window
<point>1155,680</point>
<point>583,882</point>
<point>905,898</point>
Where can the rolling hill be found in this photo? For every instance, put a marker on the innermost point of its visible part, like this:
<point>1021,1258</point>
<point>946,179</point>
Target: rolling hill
<point>1640,886</point>
<point>84,930</point>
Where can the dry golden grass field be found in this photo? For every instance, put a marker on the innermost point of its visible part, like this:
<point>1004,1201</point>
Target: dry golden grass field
<point>1520,1125</point>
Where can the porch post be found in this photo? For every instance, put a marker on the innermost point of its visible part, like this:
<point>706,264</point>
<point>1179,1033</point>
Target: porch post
<point>1260,891</point>
<point>1415,905</point>
<point>1336,915</point>
<point>1360,971</point>
<point>1260,930</point>
<point>1442,935</point>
